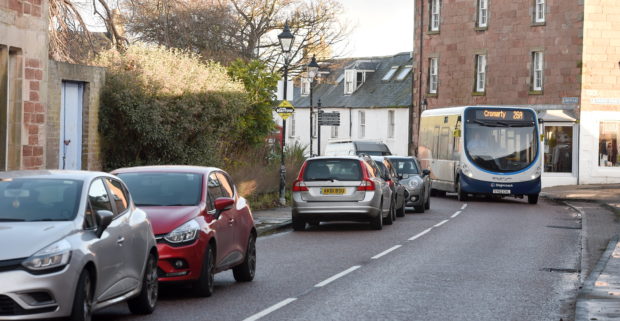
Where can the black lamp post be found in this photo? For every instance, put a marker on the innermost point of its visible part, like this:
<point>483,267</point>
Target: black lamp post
<point>313,70</point>
<point>286,39</point>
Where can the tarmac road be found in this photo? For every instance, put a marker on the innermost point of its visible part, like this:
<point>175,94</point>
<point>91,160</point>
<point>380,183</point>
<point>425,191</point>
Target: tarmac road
<point>487,260</point>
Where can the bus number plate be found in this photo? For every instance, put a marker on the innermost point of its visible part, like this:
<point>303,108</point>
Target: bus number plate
<point>501,191</point>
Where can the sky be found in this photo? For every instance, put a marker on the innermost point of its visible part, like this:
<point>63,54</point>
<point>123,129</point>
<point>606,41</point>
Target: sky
<point>380,27</point>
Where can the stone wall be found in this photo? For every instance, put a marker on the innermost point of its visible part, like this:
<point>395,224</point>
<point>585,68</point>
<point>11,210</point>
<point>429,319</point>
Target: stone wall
<point>508,42</point>
<point>93,79</point>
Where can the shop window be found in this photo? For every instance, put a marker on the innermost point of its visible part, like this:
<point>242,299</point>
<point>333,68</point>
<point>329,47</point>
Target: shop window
<point>558,149</point>
<point>608,144</point>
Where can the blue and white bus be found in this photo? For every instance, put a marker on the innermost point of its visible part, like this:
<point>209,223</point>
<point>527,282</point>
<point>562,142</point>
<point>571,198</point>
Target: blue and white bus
<point>482,150</point>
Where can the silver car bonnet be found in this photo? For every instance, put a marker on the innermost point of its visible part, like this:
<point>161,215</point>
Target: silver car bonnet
<point>23,239</point>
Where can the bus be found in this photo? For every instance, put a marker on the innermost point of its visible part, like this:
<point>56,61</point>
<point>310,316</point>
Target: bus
<point>482,150</point>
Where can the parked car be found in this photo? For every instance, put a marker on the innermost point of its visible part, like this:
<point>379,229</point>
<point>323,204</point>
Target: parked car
<point>399,191</point>
<point>73,242</point>
<point>341,188</point>
<point>201,224</point>
<point>356,147</point>
<point>418,183</point>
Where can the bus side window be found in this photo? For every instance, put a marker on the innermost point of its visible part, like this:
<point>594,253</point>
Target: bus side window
<point>436,142</point>
<point>444,143</point>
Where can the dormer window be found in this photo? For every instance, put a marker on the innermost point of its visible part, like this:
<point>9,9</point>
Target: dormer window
<point>305,86</point>
<point>353,79</point>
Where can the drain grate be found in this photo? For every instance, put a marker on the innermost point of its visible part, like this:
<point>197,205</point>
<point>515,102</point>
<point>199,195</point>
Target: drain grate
<point>565,227</point>
<point>561,270</point>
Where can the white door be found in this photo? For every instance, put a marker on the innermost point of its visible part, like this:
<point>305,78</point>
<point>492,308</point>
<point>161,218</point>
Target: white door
<point>71,126</point>
<point>560,154</point>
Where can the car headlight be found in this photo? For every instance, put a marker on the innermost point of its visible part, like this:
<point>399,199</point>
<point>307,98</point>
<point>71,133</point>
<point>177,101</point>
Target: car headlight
<point>414,183</point>
<point>184,233</point>
<point>54,256</point>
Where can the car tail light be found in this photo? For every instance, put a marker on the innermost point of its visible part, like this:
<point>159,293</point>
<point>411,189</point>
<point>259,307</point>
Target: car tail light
<point>390,182</point>
<point>302,170</point>
<point>367,185</point>
<point>299,186</point>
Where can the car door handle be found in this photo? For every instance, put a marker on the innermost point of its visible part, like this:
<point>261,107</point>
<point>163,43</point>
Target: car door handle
<point>120,241</point>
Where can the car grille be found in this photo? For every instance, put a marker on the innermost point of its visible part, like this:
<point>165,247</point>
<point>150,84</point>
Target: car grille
<point>10,307</point>
<point>10,265</point>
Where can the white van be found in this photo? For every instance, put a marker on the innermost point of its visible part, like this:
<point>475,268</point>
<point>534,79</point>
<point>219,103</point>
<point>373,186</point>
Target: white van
<point>356,147</point>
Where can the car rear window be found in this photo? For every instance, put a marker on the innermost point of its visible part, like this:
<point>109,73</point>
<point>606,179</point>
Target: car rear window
<point>405,166</point>
<point>333,169</point>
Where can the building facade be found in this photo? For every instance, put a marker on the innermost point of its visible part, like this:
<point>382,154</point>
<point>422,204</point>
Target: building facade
<point>560,58</point>
<point>372,96</point>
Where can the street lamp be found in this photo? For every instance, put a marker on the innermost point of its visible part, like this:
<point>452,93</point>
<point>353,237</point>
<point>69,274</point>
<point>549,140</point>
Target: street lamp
<point>313,70</point>
<point>286,39</point>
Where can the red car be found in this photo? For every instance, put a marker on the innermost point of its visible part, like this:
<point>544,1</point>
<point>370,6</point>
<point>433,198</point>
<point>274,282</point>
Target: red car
<point>202,226</point>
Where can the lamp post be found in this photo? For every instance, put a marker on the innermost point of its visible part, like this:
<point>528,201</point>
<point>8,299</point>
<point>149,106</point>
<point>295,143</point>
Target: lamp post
<point>318,143</point>
<point>286,39</point>
<point>313,70</point>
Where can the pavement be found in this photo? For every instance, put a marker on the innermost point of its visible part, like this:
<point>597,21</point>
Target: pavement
<point>599,207</point>
<point>272,220</point>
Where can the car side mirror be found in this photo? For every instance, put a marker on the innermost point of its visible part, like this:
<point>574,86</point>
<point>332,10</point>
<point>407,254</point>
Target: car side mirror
<point>104,219</point>
<point>400,176</point>
<point>223,204</point>
<point>426,172</point>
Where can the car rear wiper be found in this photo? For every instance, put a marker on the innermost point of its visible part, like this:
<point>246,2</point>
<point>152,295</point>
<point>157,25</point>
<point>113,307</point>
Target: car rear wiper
<point>148,205</point>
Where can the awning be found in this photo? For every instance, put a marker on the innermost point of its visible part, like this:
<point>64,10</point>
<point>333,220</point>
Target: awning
<point>557,115</point>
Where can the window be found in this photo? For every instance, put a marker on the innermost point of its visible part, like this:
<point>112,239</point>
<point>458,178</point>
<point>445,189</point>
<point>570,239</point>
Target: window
<point>334,131</point>
<point>403,73</point>
<point>608,144</point>
<point>390,124</point>
<point>539,11</point>
<point>433,75</point>
<point>483,14</point>
<point>305,86</point>
<point>435,14</point>
<point>214,191</point>
<point>98,197</point>
<point>291,125</point>
<point>537,70</point>
<point>362,120</point>
<point>228,189</point>
<point>390,73</point>
<point>349,82</point>
<point>119,194</point>
<point>559,149</point>
<point>11,84</point>
<point>481,68</point>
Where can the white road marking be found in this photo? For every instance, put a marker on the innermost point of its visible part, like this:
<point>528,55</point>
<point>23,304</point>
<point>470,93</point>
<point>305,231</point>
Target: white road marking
<point>270,309</point>
<point>413,238</point>
<point>385,252</point>
<point>337,276</point>
<point>455,214</point>
<point>441,223</point>
<point>463,207</point>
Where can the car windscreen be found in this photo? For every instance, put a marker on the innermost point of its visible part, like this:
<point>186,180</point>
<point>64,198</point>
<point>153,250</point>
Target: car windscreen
<point>164,189</point>
<point>39,199</point>
<point>333,169</point>
<point>405,166</point>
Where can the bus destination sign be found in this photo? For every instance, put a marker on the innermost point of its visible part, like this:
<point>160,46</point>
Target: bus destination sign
<point>503,114</point>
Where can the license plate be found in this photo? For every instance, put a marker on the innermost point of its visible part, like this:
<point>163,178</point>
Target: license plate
<point>332,191</point>
<point>501,191</point>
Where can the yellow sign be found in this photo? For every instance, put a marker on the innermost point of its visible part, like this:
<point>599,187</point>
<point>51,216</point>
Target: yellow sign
<point>286,104</point>
<point>285,109</point>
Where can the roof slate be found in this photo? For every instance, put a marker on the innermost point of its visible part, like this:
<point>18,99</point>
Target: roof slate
<point>374,92</point>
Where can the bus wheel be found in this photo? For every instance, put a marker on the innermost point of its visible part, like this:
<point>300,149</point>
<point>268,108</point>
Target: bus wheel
<point>532,198</point>
<point>461,196</point>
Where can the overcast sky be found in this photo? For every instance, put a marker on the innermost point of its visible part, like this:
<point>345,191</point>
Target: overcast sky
<point>381,27</point>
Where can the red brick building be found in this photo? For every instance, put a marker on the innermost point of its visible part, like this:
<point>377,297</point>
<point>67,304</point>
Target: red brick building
<point>559,57</point>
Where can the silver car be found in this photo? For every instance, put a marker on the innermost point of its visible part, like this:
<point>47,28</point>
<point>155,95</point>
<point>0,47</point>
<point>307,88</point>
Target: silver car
<point>341,188</point>
<point>72,243</point>
<point>417,182</point>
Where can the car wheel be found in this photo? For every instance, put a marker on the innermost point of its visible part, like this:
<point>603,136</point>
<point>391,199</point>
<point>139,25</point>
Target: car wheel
<point>460,194</point>
<point>298,224</point>
<point>419,209</point>
<point>83,300</point>
<point>314,223</point>
<point>146,301</point>
<point>427,204</point>
<point>532,198</point>
<point>401,211</point>
<point>245,271</point>
<point>377,222</point>
<point>204,286</point>
<point>390,218</point>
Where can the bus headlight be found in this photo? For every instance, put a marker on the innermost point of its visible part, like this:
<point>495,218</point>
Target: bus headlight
<point>537,173</point>
<point>466,171</point>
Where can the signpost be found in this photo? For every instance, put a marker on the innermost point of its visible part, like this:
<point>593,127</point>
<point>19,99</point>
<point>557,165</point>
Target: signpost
<point>329,119</point>
<point>285,109</point>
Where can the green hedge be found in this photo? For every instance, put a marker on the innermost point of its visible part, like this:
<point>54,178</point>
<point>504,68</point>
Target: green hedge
<point>163,106</point>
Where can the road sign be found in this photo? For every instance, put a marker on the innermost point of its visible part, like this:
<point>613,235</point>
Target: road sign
<point>329,119</point>
<point>285,109</point>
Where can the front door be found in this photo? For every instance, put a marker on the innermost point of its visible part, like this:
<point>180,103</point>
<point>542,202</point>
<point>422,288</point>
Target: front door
<point>70,151</point>
<point>560,154</point>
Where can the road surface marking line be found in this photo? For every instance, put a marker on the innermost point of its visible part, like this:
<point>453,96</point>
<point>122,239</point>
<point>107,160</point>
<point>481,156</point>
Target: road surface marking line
<point>413,238</point>
<point>337,276</point>
<point>441,223</point>
<point>385,252</point>
<point>463,207</point>
<point>455,214</point>
<point>270,309</point>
